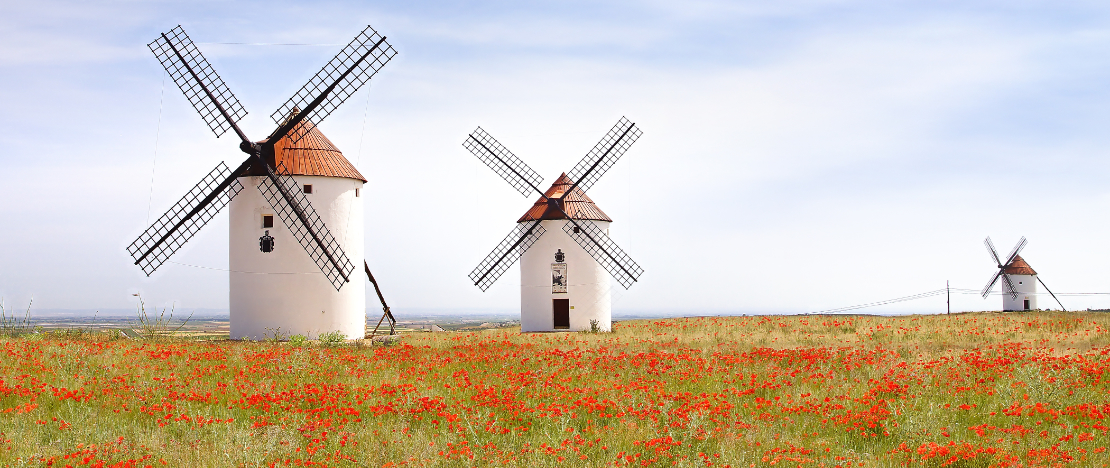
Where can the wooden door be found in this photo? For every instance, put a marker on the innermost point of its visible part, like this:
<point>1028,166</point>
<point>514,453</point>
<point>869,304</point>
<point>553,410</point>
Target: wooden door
<point>561,307</point>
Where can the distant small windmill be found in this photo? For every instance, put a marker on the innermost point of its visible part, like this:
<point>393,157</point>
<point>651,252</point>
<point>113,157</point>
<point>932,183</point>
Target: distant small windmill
<point>274,288</point>
<point>1019,280</point>
<point>571,293</point>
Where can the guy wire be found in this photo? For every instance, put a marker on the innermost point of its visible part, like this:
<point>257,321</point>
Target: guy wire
<point>358,160</point>
<point>157,135</point>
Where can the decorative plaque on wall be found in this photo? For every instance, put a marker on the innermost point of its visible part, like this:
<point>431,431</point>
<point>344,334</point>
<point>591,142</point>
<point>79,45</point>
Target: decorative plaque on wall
<point>558,278</point>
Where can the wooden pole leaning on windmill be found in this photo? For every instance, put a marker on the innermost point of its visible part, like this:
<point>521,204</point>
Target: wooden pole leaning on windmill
<point>385,308</point>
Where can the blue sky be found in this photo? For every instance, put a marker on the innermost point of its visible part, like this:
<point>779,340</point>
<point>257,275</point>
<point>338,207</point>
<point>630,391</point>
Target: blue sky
<point>797,156</point>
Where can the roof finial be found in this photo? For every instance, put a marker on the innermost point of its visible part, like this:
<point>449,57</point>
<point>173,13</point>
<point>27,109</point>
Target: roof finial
<point>292,114</point>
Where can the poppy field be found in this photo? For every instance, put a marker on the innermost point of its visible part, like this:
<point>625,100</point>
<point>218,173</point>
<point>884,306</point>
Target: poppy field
<point>966,390</point>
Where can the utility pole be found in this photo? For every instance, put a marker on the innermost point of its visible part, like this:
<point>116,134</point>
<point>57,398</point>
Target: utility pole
<point>948,290</point>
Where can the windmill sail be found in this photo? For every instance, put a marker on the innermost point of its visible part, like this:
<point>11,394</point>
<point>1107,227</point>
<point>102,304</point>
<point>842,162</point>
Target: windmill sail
<point>1014,253</point>
<point>1010,289</point>
<point>351,68</point>
<point>605,154</point>
<point>506,254</point>
<point>990,285</point>
<point>221,110</point>
<point>174,228</point>
<point>205,90</point>
<point>297,213</point>
<point>584,232</point>
<point>992,251</point>
<point>1008,284</point>
<point>595,242</point>
<point>493,154</point>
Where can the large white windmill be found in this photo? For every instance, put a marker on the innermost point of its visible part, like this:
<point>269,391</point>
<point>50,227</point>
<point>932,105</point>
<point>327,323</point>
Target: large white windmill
<point>1019,280</point>
<point>566,255</point>
<point>275,287</point>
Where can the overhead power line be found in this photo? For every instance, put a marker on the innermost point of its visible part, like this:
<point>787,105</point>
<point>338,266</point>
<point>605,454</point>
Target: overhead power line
<point>879,303</point>
<point>976,292</point>
<point>939,292</point>
<point>268,44</point>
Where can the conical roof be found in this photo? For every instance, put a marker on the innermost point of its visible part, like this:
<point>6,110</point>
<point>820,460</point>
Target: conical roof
<point>1019,267</point>
<point>313,155</point>
<point>577,204</point>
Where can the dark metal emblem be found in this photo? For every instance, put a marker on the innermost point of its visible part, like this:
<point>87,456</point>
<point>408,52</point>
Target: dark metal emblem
<point>560,256</point>
<point>266,243</point>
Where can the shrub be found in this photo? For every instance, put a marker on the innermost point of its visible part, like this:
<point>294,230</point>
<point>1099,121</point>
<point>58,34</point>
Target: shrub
<point>332,338</point>
<point>274,335</point>
<point>14,325</point>
<point>151,327</point>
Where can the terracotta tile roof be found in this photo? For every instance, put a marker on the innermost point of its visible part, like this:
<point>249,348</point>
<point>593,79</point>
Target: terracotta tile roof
<point>1019,267</point>
<point>313,155</point>
<point>577,204</point>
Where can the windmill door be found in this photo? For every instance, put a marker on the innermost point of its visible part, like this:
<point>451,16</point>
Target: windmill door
<point>561,308</point>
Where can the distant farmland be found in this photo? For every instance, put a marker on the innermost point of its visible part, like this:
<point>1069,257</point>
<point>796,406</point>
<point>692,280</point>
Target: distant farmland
<point>1014,389</point>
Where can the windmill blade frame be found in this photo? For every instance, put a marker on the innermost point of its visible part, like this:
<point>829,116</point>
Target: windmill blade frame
<point>503,162</point>
<point>1014,253</point>
<point>341,77</point>
<point>185,218</point>
<point>514,171</point>
<point>219,107</point>
<point>290,203</point>
<point>604,154</point>
<point>992,251</point>
<point>604,251</point>
<point>1009,286</point>
<point>507,252</point>
<point>990,285</point>
<point>200,83</point>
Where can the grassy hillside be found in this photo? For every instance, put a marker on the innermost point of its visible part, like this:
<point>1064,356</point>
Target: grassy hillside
<point>1015,389</point>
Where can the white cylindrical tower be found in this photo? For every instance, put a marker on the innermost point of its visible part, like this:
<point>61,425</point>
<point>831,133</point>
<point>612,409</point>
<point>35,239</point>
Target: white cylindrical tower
<point>562,288</point>
<point>1024,279</point>
<point>276,289</point>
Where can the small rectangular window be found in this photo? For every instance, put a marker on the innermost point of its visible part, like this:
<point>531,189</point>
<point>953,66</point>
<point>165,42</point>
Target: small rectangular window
<point>267,221</point>
<point>307,188</point>
<point>356,192</point>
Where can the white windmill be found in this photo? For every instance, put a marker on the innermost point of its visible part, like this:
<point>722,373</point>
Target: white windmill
<point>1019,280</point>
<point>276,287</point>
<point>564,275</point>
